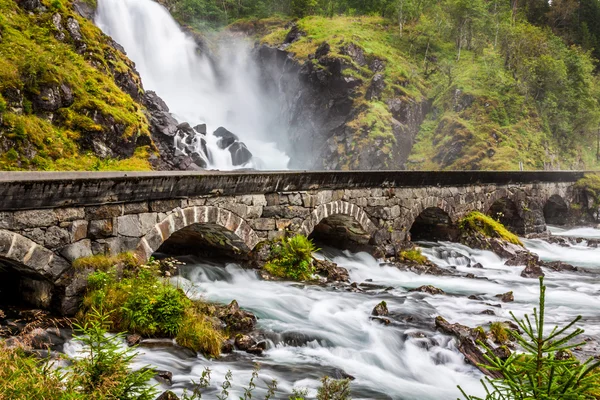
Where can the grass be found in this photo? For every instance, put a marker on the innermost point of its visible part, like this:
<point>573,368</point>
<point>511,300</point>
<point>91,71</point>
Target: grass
<point>101,262</point>
<point>31,58</point>
<point>487,226</point>
<point>291,258</point>
<point>198,333</point>
<point>500,333</point>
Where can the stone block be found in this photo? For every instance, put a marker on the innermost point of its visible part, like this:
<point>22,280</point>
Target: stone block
<point>57,237</point>
<point>295,199</point>
<point>104,212</point>
<point>7,220</point>
<point>135,208</point>
<point>148,220</point>
<point>285,212</point>
<point>376,201</point>
<point>245,199</point>
<point>164,205</point>
<point>38,235</point>
<point>80,249</point>
<point>276,235</point>
<point>116,245</point>
<point>34,219</point>
<point>129,225</point>
<point>6,239</point>
<point>259,200</point>
<point>70,214</point>
<point>272,199</point>
<point>282,224</point>
<point>101,228</point>
<point>323,197</point>
<point>262,224</point>
<point>78,230</point>
<point>254,212</point>
<point>308,200</point>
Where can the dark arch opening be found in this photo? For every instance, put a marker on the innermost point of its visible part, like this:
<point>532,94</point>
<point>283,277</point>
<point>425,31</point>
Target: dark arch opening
<point>342,232</point>
<point>505,210</point>
<point>204,240</point>
<point>433,224</point>
<point>20,288</point>
<point>556,211</point>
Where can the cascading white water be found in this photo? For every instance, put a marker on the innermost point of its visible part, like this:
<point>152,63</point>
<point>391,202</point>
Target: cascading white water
<point>170,64</point>
<point>313,330</point>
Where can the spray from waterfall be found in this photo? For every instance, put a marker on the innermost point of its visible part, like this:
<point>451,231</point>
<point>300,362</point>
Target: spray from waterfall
<point>224,90</point>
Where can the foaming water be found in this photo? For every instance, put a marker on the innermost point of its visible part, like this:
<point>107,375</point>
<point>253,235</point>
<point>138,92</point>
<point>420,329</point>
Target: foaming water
<point>588,233</point>
<point>169,63</point>
<point>314,331</point>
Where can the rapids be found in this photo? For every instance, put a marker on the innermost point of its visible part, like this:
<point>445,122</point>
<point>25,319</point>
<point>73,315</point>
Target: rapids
<point>224,90</point>
<point>314,330</point>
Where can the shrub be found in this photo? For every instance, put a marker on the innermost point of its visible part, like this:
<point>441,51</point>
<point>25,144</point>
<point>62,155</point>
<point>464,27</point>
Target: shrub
<point>590,184</point>
<point>487,226</point>
<point>141,302</point>
<point>292,258</point>
<point>332,389</point>
<point>542,372</point>
<point>104,372</point>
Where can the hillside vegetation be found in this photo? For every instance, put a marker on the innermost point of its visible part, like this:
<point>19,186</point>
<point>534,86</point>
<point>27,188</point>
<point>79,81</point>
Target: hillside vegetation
<point>505,82</point>
<point>60,105</point>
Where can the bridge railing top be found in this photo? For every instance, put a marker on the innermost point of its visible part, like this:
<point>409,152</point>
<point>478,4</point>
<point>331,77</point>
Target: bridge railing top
<point>29,190</point>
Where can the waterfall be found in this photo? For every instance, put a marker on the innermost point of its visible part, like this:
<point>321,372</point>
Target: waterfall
<point>224,90</point>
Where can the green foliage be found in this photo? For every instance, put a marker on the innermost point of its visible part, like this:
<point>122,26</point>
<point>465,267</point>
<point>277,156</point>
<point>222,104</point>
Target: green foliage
<point>332,389</point>
<point>590,184</point>
<point>542,372</point>
<point>500,332</point>
<point>413,255</point>
<point>141,302</point>
<point>483,224</point>
<point>103,372</point>
<point>292,258</point>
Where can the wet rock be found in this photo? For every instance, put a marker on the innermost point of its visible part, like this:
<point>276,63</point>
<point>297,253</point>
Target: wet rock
<point>74,30</point>
<point>560,266</point>
<point>523,258</point>
<point>164,377</point>
<point>475,297</point>
<point>532,271</point>
<point>243,342</point>
<point>31,5</point>
<point>198,160</point>
<point>258,348</point>
<point>488,312</point>
<point>240,154</point>
<point>382,320</point>
<point>355,52</point>
<point>236,319</point>
<point>506,297</point>
<point>331,271</point>
<point>340,374</point>
<point>226,138</point>
<point>477,265</point>
<point>428,289</point>
<point>380,310</point>
<point>201,129</point>
<point>502,352</point>
<point>466,338</point>
<point>227,346</point>
<point>168,395</point>
<point>133,340</point>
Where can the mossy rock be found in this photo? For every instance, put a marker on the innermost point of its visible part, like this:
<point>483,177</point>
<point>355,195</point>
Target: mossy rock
<point>476,222</point>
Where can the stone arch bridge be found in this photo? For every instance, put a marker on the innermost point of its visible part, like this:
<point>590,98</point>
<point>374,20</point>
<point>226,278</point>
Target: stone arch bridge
<point>48,220</point>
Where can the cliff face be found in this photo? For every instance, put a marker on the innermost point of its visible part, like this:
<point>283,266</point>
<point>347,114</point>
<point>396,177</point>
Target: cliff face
<point>69,97</point>
<point>345,108</point>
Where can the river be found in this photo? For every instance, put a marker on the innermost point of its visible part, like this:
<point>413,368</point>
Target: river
<point>326,330</point>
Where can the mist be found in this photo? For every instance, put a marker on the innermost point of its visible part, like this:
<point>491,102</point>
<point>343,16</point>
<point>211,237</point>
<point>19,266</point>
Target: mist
<point>222,88</point>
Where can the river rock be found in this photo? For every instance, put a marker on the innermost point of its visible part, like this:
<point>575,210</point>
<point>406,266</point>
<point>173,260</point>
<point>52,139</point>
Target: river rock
<point>133,340</point>
<point>506,297</point>
<point>243,342</point>
<point>168,395</point>
<point>477,265</point>
<point>560,266</point>
<point>523,258</point>
<point>227,346</point>
<point>428,289</point>
<point>331,271</point>
<point>380,310</point>
<point>236,319</point>
<point>532,271</point>
<point>164,377</point>
<point>466,338</point>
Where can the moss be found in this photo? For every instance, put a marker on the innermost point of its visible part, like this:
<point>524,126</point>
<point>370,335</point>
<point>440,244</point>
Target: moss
<point>291,258</point>
<point>413,256</point>
<point>32,58</point>
<point>590,184</point>
<point>500,332</point>
<point>101,262</point>
<point>487,226</point>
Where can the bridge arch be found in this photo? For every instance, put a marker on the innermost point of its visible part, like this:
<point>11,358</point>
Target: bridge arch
<point>340,222</point>
<point>203,225</point>
<point>433,223</point>
<point>556,210</point>
<point>507,212</point>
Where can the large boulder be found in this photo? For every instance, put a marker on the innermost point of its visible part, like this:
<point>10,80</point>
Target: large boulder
<point>240,154</point>
<point>236,319</point>
<point>226,138</point>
